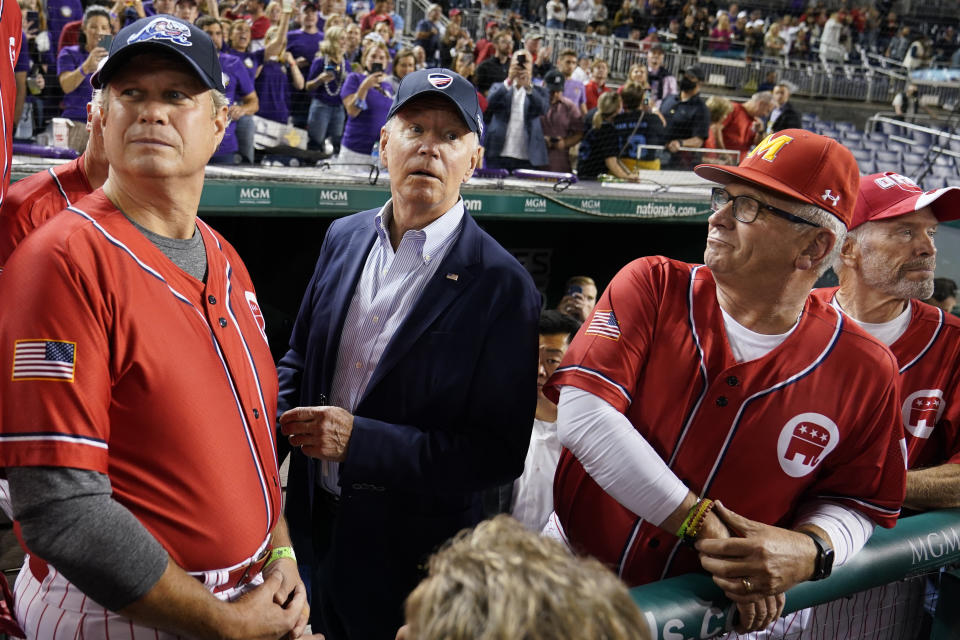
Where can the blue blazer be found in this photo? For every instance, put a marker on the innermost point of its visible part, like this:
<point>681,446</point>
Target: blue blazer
<point>447,414</point>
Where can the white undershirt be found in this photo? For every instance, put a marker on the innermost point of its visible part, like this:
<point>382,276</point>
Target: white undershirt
<point>748,345</point>
<point>886,332</point>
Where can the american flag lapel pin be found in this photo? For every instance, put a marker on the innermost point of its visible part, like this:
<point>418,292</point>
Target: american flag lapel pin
<point>453,276</point>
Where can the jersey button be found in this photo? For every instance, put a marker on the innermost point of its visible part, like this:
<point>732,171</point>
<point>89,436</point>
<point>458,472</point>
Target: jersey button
<point>654,543</point>
<point>732,381</point>
<point>722,401</point>
<point>211,300</point>
<point>256,414</point>
<point>223,322</point>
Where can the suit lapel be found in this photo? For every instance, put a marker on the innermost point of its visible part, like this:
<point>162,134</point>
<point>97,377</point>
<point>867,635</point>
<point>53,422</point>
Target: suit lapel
<point>355,256</point>
<point>440,292</point>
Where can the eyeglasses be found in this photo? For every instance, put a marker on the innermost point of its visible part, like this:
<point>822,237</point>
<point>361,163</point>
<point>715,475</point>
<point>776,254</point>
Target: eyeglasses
<point>746,209</point>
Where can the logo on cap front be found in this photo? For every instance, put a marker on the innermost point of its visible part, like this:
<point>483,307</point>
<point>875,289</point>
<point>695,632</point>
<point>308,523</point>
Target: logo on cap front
<point>769,147</point>
<point>163,29</point>
<point>890,179</point>
<point>439,80</point>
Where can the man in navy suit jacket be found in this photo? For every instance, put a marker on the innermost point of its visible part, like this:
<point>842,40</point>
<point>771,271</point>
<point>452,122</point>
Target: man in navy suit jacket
<point>410,383</point>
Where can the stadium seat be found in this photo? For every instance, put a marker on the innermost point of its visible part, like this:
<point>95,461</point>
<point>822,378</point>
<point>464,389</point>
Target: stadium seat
<point>921,136</point>
<point>851,137</point>
<point>944,161</point>
<point>866,167</point>
<point>910,170</point>
<point>873,145</point>
<point>944,172</point>
<point>914,157</point>
<point>861,154</point>
<point>896,145</point>
<point>886,157</point>
<point>843,125</point>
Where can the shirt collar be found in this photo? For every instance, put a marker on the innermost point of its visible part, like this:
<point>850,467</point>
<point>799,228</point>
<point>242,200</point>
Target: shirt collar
<point>434,235</point>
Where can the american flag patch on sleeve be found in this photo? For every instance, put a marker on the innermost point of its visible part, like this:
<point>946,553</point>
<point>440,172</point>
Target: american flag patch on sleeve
<point>604,324</point>
<point>44,360</point>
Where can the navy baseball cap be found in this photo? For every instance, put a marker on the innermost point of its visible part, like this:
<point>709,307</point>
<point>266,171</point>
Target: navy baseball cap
<point>167,34</point>
<point>446,83</point>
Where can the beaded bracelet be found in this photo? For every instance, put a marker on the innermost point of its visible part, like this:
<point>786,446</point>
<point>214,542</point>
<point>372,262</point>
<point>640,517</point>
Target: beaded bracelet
<point>693,529</point>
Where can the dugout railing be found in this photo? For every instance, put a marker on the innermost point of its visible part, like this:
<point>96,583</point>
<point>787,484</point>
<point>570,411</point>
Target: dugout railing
<point>923,547</point>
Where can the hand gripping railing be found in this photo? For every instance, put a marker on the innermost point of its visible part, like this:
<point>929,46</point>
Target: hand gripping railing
<point>693,607</point>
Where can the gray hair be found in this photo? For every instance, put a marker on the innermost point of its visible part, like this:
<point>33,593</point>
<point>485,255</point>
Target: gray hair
<point>762,97</point>
<point>825,220</point>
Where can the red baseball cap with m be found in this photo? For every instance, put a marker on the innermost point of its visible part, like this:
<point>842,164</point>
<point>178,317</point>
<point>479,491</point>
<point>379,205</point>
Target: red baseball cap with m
<point>801,165</point>
<point>889,194</point>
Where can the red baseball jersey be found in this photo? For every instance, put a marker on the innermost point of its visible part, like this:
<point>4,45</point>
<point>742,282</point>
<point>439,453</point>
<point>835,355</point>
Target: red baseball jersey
<point>816,418</point>
<point>11,31</point>
<point>35,199</point>
<point>928,354</point>
<point>118,361</point>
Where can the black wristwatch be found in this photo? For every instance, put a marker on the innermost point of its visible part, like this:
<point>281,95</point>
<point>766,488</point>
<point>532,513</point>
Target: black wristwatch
<point>824,562</point>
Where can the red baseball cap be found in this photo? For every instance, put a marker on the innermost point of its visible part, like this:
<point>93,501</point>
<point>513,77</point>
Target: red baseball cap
<point>801,165</point>
<point>888,195</point>
<point>454,12</point>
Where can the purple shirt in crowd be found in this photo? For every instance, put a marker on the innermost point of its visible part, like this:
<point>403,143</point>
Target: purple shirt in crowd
<point>575,92</point>
<point>250,59</point>
<point>274,89</point>
<point>23,59</point>
<point>329,92</point>
<point>75,102</point>
<point>237,83</point>
<point>59,13</point>
<point>304,45</point>
<point>362,132</point>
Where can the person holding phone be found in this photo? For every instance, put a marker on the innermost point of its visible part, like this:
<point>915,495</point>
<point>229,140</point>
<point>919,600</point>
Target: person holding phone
<point>515,137</point>
<point>76,64</point>
<point>367,98</point>
<point>324,81</point>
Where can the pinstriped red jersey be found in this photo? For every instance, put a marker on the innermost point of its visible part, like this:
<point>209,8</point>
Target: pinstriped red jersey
<point>35,199</point>
<point>928,354</point>
<point>113,359</point>
<point>816,418</point>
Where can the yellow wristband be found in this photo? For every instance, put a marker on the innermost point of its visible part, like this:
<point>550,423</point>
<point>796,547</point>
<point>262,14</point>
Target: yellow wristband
<point>280,552</point>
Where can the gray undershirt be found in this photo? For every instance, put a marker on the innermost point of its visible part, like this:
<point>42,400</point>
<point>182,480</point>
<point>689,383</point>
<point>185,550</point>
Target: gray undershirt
<point>190,254</point>
<point>68,516</point>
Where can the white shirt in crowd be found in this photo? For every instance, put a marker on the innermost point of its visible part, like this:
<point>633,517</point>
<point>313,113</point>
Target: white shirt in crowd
<point>532,499</point>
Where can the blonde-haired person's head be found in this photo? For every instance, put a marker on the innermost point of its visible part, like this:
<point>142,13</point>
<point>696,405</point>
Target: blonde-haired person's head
<point>332,45</point>
<point>500,581</point>
<point>719,108</point>
<point>608,106</point>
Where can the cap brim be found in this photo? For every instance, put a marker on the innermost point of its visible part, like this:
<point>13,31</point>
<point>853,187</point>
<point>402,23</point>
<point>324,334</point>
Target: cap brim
<point>722,175</point>
<point>473,126</point>
<point>102,76</point>
<point>945,204</point>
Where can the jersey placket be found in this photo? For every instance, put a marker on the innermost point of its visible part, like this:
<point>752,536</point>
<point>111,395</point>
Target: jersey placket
<point>219,309</point>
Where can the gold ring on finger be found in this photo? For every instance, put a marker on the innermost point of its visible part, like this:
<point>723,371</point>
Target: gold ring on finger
<point>746,584</point>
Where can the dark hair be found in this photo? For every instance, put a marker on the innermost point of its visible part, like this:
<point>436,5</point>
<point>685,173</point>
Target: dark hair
<point>95,10</point>
<point>552,322</point>
<point>206,21</point>
<point>943,288</point>
<point>632,98</point>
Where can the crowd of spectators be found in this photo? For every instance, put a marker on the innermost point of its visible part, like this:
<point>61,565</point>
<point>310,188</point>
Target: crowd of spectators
<point>332,67</point>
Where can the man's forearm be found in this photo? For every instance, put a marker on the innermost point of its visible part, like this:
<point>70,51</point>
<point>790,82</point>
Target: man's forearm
<point>64,513</point>
<point>934,487</point>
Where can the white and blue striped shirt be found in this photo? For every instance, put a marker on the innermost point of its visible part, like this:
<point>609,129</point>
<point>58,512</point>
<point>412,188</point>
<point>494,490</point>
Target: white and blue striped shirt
<point>390,285</point>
